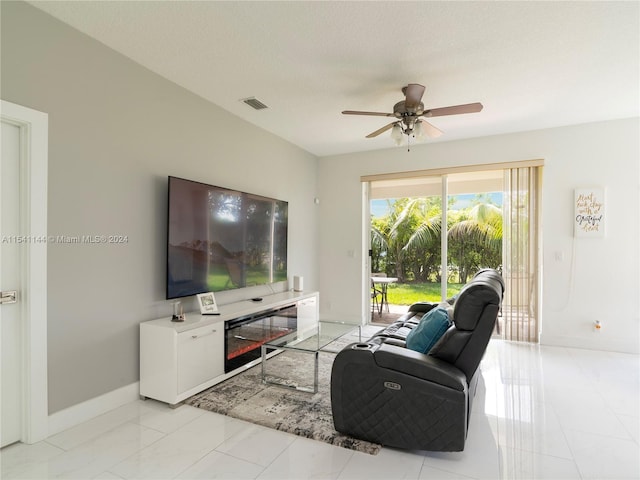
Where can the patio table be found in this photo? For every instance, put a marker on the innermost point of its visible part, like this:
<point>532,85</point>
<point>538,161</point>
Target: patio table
<point>383,282</point>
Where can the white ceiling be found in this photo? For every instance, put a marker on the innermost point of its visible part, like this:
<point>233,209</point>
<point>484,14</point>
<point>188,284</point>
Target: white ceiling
<point>532,64</point>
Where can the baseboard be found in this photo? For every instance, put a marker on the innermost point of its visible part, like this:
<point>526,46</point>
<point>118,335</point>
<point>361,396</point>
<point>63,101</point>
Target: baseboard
<point>596,343</point>
<point>75,415</point>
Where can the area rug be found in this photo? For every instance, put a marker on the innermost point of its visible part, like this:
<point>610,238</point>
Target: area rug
<point>245,397</point>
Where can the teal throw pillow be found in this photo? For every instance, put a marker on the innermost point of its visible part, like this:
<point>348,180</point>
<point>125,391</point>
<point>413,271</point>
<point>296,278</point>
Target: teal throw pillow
<point>432,326</point>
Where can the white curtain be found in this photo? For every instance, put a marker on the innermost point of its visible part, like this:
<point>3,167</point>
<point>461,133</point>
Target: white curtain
<point>520,310</point>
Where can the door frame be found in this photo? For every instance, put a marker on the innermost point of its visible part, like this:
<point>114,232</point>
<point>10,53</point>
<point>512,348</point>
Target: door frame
<point>33,126</point>
<point>366,257</point>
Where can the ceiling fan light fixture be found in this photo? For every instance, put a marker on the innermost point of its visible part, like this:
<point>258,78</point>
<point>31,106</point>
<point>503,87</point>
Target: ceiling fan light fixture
<point>418,131</point>
<point>396,134</point>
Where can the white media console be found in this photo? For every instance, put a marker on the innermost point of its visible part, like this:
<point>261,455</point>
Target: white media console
<point>180,359</point>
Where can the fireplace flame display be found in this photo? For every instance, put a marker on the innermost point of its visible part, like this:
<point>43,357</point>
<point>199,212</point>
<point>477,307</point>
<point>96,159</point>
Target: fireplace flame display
<point>245,336</point>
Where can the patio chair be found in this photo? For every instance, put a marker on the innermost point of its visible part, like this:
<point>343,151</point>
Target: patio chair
<point>375,303</point>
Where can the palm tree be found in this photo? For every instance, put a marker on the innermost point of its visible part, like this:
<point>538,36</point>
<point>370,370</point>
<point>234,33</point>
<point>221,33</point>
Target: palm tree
<point>479,230</point>
<point>424,242</point>
<point>389,235</point>
<point>379,244</point>
<point>407,240</point>
<point>416,227</point>
<point>400,228</point>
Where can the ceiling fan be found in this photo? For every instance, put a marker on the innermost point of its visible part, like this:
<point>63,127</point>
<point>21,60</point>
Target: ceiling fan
<point>410,114</point>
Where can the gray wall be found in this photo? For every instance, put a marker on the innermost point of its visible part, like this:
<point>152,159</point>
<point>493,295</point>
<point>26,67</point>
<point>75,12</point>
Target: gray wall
<point>116,131</point>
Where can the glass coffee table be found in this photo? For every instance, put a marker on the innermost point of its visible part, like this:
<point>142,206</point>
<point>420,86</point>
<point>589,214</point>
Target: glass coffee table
<point>311,342</point>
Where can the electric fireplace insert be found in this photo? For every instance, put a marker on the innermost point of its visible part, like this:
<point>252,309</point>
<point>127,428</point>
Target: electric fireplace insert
<point>245,335</point>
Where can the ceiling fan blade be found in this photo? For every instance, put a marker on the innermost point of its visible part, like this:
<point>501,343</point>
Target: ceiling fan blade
<point>377,114</point>
<point>455,110</point>
<point>413,93</point>
<point>381,130</point>
<point>429,130</point>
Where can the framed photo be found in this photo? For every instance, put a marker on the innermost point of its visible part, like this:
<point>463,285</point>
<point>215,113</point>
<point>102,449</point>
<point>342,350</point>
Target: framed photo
<point>207,303</point>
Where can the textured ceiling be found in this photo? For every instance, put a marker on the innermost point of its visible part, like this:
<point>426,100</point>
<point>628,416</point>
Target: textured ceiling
<point>532,64</point>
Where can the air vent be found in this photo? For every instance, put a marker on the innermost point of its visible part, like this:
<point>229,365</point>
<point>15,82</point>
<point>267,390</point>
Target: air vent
<point>254,103</point>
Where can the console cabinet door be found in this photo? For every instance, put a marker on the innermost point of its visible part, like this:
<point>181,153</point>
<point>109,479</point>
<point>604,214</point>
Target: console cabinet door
<point>200,356</point>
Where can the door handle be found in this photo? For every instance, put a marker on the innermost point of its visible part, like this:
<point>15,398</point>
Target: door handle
<point>203,335</point>
<point>8,297</point>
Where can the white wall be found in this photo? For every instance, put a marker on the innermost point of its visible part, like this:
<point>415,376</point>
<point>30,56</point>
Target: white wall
<point>116,132</point>
<point>604,283</point>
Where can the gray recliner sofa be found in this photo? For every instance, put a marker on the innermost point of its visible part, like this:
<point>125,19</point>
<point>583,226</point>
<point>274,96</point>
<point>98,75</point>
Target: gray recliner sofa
<point>385,393</point>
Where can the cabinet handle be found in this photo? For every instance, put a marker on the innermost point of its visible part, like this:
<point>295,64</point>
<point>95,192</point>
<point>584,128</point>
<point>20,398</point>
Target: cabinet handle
<point>196,336</point>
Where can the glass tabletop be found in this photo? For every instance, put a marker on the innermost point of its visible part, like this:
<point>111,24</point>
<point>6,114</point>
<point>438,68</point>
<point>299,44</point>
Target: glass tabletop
<point>314,339</point>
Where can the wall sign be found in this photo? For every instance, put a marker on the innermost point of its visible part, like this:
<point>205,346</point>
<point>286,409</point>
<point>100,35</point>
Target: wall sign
<point>589,214</point>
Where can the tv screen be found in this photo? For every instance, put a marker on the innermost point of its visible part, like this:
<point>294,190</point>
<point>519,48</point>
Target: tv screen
<point>221,239</point>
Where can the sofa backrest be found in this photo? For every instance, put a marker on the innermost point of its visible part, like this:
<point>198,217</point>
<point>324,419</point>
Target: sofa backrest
<point>474,316</point>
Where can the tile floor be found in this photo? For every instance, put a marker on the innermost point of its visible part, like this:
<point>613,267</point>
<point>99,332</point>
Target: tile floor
<point>540,412</point>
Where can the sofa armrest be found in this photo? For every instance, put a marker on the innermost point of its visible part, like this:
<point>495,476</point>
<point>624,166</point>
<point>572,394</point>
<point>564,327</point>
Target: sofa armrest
<point>419,365</point>
<point>398,342</point>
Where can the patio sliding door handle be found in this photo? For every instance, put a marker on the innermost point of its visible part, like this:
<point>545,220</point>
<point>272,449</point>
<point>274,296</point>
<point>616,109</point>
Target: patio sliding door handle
<point>8,297</point>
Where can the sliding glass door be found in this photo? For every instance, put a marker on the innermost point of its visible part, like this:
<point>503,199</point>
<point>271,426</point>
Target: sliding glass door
<point>434,232</point>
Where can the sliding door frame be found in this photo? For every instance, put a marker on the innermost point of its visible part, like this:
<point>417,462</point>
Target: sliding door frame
<point>452,170</point>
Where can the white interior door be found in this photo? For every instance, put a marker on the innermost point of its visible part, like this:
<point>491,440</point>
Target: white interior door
<point>10,312</point>
<point>23,268</point>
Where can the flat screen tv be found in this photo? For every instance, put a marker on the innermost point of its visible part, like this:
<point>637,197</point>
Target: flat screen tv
<point>221,239</point>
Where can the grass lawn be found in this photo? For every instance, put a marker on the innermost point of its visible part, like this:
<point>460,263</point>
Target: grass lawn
<point>408,293</point>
